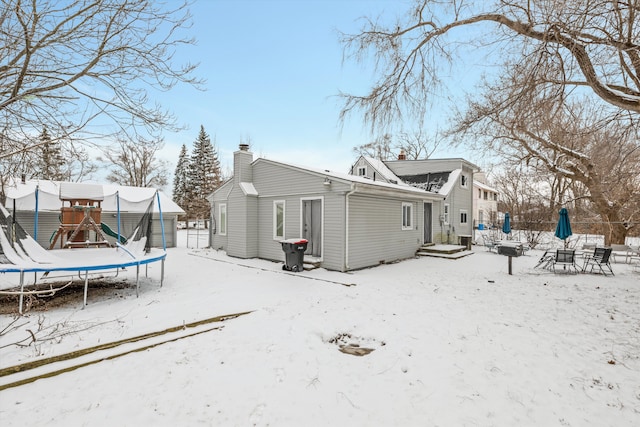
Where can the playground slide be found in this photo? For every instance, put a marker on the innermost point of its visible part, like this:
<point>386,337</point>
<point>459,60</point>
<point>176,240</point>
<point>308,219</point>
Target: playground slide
<point>112,233</point>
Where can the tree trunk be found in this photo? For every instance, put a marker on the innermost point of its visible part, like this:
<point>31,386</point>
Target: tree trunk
<point>615,234</point>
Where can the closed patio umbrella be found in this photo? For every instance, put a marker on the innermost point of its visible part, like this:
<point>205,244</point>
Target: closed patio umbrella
<point>563,229</point>
<point>506,227</point>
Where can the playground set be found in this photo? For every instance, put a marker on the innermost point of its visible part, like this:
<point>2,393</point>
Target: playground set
<point>83,248</point>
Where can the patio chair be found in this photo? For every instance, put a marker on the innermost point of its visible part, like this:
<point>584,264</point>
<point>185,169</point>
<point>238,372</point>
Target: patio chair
<point>489,243</point>
<point>587,250</point>
<point>600,258</point>
<point>623,252</point>
<point>567,259</point>
<point>546,260</point>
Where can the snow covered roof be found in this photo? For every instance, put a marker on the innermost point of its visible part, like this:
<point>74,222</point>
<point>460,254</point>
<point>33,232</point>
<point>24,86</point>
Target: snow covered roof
<point>345,177</point>
<point>248,189</point>
<point>483,186</point>
<point>454,175</point>
<point>383,170</point>
<point>75,190</point>
<point>132,199</point>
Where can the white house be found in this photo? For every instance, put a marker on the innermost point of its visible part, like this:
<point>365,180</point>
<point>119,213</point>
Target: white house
<point>485,203</point>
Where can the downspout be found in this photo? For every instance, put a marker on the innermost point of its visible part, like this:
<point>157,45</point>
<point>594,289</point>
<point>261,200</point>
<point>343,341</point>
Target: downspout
<point>35,222</point>
<point>12,236</point>
<point>119,238</point>
<point>346,226</point>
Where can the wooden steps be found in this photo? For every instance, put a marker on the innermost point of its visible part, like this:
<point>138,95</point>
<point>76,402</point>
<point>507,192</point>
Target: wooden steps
<point>443,251</point>
<point>311,263</point>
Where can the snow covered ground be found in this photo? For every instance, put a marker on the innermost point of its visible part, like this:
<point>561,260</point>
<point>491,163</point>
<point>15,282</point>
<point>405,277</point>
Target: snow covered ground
<point>455,343</point>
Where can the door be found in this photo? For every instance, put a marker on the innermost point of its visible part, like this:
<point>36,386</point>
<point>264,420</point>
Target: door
<point>312,226</point>
<point>427,223</point>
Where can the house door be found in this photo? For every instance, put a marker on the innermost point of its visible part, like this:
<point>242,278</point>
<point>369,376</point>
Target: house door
<point>312,226</point>
<point>427,223</point>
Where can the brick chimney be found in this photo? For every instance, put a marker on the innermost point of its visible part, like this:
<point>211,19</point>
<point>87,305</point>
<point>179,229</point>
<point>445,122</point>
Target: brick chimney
<point>402,155</point>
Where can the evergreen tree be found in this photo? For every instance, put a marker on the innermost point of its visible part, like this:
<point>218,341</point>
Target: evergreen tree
<point>51,162</point>
<point>204,175</point>
<point>181,179</point>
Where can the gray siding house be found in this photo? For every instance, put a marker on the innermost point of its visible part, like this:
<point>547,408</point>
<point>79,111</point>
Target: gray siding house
<point>450,178</point>
<point>351,222</point>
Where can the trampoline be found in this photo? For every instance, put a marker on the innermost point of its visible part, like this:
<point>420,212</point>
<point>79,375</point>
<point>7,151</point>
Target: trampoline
<point>20,253</point>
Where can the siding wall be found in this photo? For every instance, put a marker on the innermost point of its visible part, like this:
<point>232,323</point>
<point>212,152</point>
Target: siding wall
<point>276,182</point>
<point>375,231</point>
<point>237,223</point>
<point>458,199</point>
<point>221,195</point>
<point>218,241</point>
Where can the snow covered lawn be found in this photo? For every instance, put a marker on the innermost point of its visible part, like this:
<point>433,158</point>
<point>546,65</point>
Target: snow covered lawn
<point>453,343</point>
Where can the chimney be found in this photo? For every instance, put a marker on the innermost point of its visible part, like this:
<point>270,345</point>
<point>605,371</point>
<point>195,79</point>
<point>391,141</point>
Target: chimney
<point>402,155</point>
<point>242,159</point>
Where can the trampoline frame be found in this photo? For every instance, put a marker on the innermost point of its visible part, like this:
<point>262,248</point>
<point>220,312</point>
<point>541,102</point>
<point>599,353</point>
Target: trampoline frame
<point>155,255</point>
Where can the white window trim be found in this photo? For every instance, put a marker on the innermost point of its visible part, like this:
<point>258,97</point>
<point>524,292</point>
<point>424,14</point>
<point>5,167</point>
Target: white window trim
<point>464,177</point>
<point>410,225</point>
<point>275,219</point>
<point>321,198</point>
<point>466,213</point>
<point>445,213</point>
<point>364,168</point>
<point>223,224</point>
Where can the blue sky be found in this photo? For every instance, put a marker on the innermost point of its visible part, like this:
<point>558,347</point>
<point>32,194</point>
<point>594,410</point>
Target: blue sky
<point>273,70</point>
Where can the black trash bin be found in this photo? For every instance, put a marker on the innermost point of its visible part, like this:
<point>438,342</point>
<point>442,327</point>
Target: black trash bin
<point>294,253</point>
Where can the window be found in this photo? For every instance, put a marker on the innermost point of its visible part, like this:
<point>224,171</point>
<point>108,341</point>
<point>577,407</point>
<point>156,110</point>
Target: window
<point>479,194</point>
<point>278,219</point>
<point>445,215</point>
<point>407,216</point>
<point>464,181</point>
<point>463,216</point>
<point>222,216</point>
<point>362,171</point>
<point>495,197</point>
<point>486,195</point>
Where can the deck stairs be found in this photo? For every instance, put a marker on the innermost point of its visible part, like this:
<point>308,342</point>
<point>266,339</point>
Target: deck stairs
<point>443,251</point>
<point>311,263</point>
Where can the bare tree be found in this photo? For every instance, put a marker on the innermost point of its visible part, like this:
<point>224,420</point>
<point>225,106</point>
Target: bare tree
<point>529,195</point>
<point>418,145</point>
<point>65,65</point>
<point>380,148</point>
<point>80,165</point>
<point>581,44</point>
<point>589,150</point>
<point>135,163</point>
<point>415,145</point>
<point>28,163</point>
